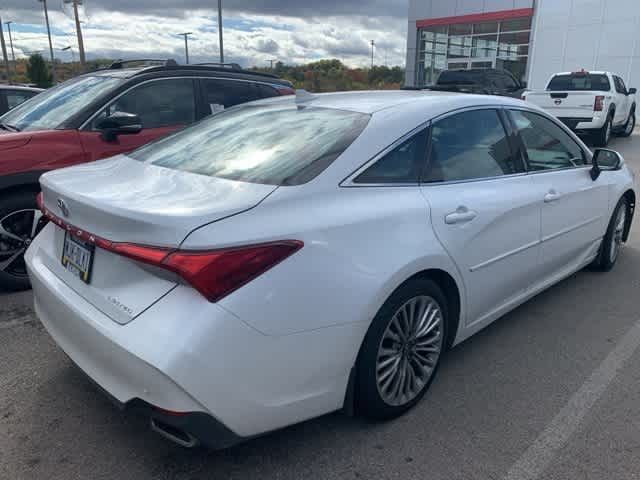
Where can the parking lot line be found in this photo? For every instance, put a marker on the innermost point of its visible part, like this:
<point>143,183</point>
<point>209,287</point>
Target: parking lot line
<point>542,451</point>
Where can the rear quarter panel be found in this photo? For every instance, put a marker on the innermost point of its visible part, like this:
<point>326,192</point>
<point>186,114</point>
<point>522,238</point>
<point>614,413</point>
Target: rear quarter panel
<point>360,244</point>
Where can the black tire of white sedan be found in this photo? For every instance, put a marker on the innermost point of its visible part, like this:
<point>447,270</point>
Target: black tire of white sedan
<point>401,351</point>
<point>630,125</point>
<point>602,136</point>
<point>613,239</point>
<point>20,221</point>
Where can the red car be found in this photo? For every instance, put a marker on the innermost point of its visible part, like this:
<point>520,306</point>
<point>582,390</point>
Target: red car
<point>98,115</point>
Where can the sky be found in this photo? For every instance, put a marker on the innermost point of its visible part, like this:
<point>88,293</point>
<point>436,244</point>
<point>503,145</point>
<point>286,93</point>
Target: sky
<point>255,32</point>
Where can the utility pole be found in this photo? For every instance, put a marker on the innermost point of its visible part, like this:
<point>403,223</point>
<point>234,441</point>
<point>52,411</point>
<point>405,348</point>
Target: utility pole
<point>73,57</point>
<point>83,62</point>
<point>186,44</point>
<point>220,30</point>
<point>271,63</point>
<point>53,60</point>
<point>13,54</point>
<point>4,53</point>
<point>373,44</point>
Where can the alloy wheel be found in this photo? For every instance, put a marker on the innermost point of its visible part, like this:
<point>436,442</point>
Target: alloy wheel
<point>618,233</point>
<point>17,230</point>
<point>409,350</point>
<point>631,123</point>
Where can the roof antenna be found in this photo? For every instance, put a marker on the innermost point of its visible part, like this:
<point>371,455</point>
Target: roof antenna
<point>302,96</point>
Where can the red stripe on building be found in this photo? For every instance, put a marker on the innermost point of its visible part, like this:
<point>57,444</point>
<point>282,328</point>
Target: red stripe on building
<point>477,17</point>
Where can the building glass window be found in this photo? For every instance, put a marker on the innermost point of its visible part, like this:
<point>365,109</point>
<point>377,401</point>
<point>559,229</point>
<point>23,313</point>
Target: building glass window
<point>503,45</point>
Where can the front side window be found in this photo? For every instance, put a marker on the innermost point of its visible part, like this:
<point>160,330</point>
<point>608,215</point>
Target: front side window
<point>401,165</point>
<point>620,88</point>
<point>56,105</point>
<point>470,145</point>
<point>547,146</point>
<point>278,144</point>
<point>159,103</point>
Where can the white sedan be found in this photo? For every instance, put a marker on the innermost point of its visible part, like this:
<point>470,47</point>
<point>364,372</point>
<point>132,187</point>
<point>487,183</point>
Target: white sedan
<point>292,257</point>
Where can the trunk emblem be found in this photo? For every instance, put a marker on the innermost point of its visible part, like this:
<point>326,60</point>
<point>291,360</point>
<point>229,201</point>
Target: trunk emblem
<point>558,101</point>
<point>63,207</point>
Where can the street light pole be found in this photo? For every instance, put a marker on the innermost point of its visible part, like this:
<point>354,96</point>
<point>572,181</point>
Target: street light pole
<point>373,44</point>
<point>186,45</point>
<point>220,31</point>
<point>13,55</point>
<point>4,53</point>
<point>53,60</point>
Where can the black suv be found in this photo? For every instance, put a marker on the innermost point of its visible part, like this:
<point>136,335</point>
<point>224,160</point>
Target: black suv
<point>489,81</point>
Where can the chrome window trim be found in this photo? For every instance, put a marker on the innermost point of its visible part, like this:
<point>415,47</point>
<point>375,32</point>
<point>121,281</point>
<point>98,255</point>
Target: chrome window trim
<point>88,122</point>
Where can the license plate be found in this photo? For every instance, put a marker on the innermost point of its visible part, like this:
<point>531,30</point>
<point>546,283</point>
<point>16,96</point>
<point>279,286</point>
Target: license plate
<point>77,257</point>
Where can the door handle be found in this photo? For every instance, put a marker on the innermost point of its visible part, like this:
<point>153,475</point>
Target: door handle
<point>552,196</point>
<point>461,215</point>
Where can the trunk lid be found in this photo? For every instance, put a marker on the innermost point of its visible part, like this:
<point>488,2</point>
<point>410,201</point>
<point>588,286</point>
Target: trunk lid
<point>126,201</point>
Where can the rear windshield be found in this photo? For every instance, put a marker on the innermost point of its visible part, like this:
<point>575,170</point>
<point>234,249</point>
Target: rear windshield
<point>269,144</point>
<point>580,81</point>
<point>450,77</point>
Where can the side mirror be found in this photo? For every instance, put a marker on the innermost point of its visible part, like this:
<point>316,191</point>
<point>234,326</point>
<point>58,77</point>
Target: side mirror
<point>632,91</point>
<point>603,160</point>
<point>120,123</point>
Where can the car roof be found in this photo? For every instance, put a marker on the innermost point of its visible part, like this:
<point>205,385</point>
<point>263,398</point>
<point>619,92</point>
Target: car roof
<point>430,103</point>
<point>586,72</point>
<point>120,69</point>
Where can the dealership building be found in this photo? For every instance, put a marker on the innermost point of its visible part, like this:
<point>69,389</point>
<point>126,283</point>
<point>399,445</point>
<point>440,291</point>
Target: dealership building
<point>531,38</point>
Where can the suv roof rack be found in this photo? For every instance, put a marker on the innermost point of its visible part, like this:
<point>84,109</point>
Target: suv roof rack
<point>232,66</point>
<point>142,62</point>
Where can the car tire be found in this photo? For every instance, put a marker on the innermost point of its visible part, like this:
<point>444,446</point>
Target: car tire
<point>398,359</point>
<point>603,135</point>
<point>630,125</point>
<point>613,238</point>
<point>20,221</point>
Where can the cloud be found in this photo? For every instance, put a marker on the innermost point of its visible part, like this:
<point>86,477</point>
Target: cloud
<point>254,32</point>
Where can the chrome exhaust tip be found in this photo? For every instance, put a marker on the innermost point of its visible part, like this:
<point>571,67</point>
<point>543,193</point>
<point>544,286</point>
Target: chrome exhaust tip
<point>174,434</point>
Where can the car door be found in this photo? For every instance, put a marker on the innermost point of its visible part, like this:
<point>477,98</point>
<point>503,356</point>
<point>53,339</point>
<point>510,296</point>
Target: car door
<point>573,206</point>
<point>483,209</point>
<point>163,105</point>
<point>622,101</point>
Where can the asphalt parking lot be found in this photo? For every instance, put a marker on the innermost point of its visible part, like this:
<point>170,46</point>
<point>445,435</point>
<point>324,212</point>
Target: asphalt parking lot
<point>551,391</point>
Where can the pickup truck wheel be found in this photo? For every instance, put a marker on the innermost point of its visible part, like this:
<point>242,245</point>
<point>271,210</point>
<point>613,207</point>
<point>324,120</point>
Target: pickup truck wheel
<point>603,135</point>
<point>630,125</point>
<point>20,222</point>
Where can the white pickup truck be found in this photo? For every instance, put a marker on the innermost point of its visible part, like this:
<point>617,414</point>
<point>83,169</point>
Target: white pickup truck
<point>596,103</point>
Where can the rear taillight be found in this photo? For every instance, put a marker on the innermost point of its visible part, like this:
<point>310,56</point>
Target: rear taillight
<point>598,105</point>
<point>40,202</point>
<point>216,273</point>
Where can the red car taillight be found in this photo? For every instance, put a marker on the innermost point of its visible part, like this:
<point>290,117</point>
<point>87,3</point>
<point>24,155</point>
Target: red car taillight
<point>39,202</point>
<point>598,105</point>
<point>216,273</point>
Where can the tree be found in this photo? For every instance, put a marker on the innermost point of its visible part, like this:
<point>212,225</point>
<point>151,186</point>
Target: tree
<point>38,72</point>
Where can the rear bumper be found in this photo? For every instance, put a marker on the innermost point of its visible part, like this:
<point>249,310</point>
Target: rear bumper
<point>581,123</point>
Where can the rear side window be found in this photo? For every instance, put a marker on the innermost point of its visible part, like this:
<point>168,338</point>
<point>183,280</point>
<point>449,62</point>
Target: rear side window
<point>580,81</point>
<point>222,94</point>
<point>548,147</point>
<point>269,144</point>
<point>470,145</point>
<point>401,165</point>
